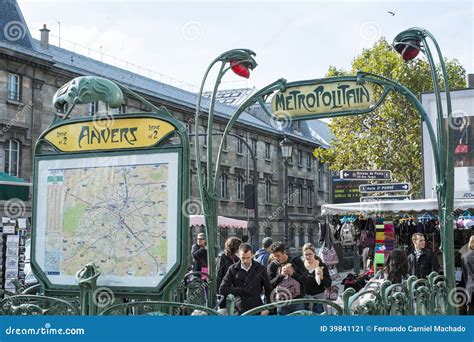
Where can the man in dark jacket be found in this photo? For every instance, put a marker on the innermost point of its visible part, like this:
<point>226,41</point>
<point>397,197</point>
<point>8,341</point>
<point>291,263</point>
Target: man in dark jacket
<point>199,254</point>
<point>246,280</point>
<point>277,273</point>
<point>421,261</point>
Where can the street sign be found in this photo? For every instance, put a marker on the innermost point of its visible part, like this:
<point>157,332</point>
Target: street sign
<point>345,191</point>
<point>388,187</point>
<point>385,198</point>
<point>366,174</point>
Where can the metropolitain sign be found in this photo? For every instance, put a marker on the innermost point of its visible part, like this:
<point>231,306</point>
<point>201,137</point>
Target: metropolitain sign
<point>324,97</point>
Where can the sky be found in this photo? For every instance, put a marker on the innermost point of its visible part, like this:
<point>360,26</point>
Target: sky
<point>293,40</point>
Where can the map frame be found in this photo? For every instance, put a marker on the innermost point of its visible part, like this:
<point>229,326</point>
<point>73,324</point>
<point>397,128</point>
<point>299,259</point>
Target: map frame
<point>176,245</point>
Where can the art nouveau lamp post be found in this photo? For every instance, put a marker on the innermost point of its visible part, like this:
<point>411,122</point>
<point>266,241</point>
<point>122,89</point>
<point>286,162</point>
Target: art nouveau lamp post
<point>409,43</point>
<point>240,61</point>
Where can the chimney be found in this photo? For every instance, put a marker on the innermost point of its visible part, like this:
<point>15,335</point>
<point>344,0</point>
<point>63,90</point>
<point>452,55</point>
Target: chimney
<point>470,80</point>
<point>44,37</point>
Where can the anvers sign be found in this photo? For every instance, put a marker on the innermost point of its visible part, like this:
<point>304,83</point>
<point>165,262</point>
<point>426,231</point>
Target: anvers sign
<point>109,134</point>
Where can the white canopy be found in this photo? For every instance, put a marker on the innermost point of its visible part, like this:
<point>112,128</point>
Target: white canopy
<point>392,206</point>
<point>222,221</point>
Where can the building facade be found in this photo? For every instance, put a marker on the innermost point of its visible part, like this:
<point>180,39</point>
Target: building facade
<point>31,71</point>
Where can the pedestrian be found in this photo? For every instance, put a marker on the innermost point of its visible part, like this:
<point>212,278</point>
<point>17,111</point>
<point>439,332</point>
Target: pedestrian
<point>396,267</point>
<point>247,280</point>
<point>199,254</point>
<point>421,261</point>
<point>226,259</point>
<point>263,254</point>
<point>467,279</point>
<point>318,279</point>
<point>281,277</point>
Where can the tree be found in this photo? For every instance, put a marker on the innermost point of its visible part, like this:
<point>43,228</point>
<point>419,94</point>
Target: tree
<point>388,138</point>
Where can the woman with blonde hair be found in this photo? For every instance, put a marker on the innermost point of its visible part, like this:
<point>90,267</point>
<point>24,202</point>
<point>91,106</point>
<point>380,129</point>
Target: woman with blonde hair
<point>317,274</point>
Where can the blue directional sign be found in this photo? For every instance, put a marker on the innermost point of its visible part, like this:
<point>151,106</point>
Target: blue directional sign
<point>385,198</point>
<point>388,187</point>
<point>366,174</point>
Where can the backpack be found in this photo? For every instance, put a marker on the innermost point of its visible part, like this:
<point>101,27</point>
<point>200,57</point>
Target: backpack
<point>347,234</point>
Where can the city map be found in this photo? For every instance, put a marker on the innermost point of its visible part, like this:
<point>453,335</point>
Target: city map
<point>114,216</point>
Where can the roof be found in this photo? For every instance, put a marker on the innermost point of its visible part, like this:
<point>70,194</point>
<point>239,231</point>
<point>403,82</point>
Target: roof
<point>392,206</point>
<point>7,179</point>
<point>82,65</point>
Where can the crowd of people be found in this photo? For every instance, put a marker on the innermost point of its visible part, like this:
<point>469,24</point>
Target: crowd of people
<point>273,274</point>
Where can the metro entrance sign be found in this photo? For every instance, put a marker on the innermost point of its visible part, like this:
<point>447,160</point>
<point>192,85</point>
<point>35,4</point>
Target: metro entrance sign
<point>366,174</point>
<point>388,187</point>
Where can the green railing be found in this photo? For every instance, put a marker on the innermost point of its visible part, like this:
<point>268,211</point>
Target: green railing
<point>412,297</point>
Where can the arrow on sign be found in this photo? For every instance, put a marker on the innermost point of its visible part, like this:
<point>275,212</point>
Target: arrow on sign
<point>387,187</point>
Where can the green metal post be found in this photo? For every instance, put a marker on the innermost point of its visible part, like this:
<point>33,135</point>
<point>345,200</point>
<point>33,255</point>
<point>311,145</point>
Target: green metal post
<point>209,197</point>
<point>445,186</point>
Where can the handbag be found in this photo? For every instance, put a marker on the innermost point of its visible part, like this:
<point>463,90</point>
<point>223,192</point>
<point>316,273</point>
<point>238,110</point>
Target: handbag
<point>288,287</point>
<point>331,293</point>
<point>328,255</point>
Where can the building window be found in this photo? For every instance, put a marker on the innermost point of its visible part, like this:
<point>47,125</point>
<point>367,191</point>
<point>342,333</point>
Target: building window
<point>223,186</point>
<point>268,188</point>
<point>93,108</point>
<point>240,144</point>
<point>297,126</point>
<point>310,235</point>
<point>292,236</point>
<point>254,147</point>
<point>309,160</point>
<point>300,195</point>
<point>268,155</point>
<point>321,177</point>
<point>240,184</point>
<point>12,157</point>
<point>268,231</point>
<point>224,145</point>
<point>204,136</point>
<point>120,110</point>
<point>290,160</point>
<point>300,158</point>
<point>290,194</point>
<point>309,200</point>
<point>14,82</point>
<point>301,237</point>
<point>188,127</point>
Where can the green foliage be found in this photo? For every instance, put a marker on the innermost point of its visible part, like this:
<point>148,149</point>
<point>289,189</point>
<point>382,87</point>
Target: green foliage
<point>390,137</point>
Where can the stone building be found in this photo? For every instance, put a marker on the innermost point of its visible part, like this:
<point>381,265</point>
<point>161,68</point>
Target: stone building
<point>31,71</point>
